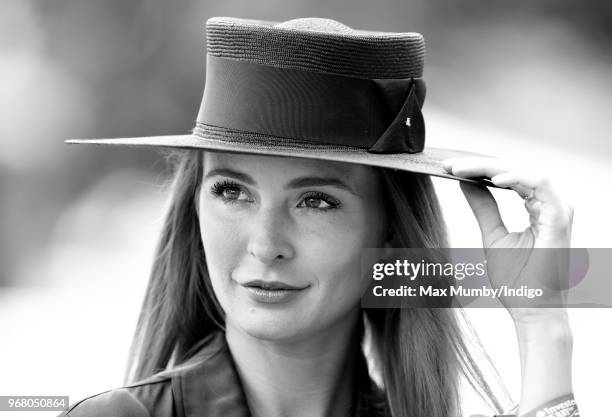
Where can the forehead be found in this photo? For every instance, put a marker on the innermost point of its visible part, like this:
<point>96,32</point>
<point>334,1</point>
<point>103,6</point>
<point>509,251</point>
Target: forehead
<point>285,167</point>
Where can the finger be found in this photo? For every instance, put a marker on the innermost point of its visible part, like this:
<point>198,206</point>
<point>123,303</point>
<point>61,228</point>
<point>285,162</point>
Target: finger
<point>547,211</point>
<point>486,211</point>
<point>475,166</point>
<point>533,208</point>
<point>536,185</point>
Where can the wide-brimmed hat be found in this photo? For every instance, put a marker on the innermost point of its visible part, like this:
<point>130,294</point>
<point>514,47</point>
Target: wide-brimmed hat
<point>311,88</point>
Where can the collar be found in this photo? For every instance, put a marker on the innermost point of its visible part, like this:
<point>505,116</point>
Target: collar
<point>211,386</point>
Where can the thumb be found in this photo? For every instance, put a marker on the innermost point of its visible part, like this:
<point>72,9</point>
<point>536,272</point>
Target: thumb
<point>485,210</point>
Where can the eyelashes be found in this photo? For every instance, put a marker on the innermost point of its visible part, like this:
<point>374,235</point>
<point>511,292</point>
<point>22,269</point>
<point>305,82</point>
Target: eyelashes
<point>219,189</point>
<point>229,192</point>
<point>331,203</point>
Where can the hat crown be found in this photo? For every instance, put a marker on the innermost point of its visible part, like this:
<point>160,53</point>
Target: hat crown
<point>315,24</point>
<point>318,45</point>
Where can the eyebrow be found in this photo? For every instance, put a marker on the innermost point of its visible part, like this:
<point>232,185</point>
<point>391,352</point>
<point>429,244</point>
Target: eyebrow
<point>299,182</point>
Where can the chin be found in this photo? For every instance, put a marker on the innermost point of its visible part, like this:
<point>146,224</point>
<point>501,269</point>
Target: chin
<point>262,326</point>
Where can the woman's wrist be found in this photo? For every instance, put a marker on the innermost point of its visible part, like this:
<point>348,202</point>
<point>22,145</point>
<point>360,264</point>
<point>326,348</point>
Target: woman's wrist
<point>564,405</point>
<point>547,325</point>
<point>545,346</point>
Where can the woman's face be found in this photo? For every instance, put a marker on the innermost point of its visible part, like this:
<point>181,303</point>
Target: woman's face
<point>283,238</point>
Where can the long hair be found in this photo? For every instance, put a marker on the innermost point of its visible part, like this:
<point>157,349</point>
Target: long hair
<point>421,352</point>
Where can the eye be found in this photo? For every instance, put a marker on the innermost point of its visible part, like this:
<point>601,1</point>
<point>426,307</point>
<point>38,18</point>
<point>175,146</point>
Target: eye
<point>319,201</point>
<point>228,191</point>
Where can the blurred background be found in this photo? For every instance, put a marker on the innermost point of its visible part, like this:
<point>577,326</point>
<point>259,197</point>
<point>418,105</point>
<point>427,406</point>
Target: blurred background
<point>78,225</point>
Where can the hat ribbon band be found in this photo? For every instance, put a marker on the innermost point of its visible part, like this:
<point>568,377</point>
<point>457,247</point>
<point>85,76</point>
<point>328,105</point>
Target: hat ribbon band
<point>380,115</point>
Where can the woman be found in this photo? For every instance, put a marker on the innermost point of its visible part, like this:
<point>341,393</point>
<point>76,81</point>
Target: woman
<point>309,149</point>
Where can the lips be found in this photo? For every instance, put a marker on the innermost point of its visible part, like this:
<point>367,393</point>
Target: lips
<point>272,285</point>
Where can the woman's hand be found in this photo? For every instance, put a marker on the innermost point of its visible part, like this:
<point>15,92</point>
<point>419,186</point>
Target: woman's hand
<point>517,264</point>
<point>544,337</point>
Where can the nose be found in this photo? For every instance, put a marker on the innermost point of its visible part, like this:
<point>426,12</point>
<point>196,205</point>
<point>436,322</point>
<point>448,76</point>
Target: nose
<point>269,241</point>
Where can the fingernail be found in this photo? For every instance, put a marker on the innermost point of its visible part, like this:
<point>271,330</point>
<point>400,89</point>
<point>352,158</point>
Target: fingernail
<point>499,179</point>
<point>448,164</point>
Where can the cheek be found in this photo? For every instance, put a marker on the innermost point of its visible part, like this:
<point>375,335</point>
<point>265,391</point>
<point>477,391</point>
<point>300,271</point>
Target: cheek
<point>221,241</point>
<point>336,252</point>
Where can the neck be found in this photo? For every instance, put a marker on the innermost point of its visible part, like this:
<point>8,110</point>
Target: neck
<point>306,377</point>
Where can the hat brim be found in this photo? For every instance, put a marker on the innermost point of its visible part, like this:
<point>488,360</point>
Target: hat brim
<point>427,162</point>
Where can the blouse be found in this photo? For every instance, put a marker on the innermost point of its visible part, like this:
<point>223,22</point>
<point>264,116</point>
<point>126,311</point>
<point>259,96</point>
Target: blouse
<point>207,386</point>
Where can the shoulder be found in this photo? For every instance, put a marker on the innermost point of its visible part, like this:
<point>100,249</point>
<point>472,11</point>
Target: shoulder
<point>163,393</point>
<point>148,398</point>
<point>115,403</point>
